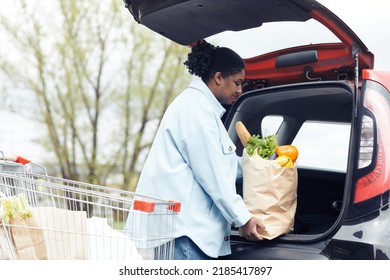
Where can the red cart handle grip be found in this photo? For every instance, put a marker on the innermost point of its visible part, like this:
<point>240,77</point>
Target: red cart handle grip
<point>22,160</point>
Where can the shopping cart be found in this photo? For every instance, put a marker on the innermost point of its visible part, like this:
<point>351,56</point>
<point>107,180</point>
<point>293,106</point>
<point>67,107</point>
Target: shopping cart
<point>46,217</point>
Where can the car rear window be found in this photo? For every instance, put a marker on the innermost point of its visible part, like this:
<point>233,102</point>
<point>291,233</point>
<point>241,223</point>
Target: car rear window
<point>321,145</point>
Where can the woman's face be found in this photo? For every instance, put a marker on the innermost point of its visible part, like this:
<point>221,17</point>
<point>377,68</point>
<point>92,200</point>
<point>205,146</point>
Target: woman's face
<point>228,89</point>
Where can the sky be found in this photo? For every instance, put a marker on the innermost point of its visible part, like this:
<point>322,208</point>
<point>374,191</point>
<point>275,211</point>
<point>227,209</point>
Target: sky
<point>368,19</point>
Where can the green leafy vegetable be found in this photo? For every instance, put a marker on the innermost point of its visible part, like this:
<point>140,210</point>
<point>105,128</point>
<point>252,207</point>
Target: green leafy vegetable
<point>14,206</point>
<point>265,146</point>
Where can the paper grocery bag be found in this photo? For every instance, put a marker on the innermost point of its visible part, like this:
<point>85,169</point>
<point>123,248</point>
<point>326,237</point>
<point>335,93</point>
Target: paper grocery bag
<point>270,193</point>
<point>28,238</point>
<point>66,232</point>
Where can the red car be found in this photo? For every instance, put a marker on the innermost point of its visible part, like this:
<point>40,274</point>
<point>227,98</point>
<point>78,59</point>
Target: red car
<point>322,96</point>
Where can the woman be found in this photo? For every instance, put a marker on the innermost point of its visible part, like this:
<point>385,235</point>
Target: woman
<point>193,160</point>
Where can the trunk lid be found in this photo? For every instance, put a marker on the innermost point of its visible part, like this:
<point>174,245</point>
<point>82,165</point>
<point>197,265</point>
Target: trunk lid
<point>187,21</point>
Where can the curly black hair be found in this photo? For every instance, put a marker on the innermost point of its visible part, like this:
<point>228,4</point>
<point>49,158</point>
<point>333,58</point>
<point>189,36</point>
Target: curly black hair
<point>205,60</point>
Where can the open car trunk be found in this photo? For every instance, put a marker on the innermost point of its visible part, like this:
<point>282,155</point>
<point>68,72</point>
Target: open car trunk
<point>320,191</point>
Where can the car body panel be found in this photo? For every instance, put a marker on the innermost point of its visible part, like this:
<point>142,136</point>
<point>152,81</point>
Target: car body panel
<point>334,63</point>
<point>268,250</point>
<point>382,77</point>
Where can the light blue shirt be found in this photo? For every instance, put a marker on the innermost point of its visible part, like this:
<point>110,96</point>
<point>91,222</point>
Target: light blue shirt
<point>193,161</point>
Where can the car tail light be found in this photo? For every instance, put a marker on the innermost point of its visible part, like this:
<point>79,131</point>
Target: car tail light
<point>373,155</point>
<point>366,142</point>
<point>372,183</point>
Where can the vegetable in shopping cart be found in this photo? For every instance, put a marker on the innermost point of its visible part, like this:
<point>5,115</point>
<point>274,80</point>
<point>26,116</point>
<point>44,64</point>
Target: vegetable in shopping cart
<point>14,207</point>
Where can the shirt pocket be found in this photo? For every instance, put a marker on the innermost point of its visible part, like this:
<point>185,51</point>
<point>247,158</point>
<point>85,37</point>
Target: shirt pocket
<point>227,146</point>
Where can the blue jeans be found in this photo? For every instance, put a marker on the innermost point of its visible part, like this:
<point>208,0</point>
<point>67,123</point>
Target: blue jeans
<point>186,249</point>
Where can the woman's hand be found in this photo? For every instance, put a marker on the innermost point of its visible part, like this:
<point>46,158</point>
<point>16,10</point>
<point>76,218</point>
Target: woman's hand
<point>251,229</point>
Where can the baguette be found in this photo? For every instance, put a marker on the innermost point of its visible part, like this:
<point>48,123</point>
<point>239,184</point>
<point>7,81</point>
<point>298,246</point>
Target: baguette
<point>242,133</point>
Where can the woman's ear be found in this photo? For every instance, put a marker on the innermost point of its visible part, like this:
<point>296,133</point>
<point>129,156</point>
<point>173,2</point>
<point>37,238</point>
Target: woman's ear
<point>218,78</point>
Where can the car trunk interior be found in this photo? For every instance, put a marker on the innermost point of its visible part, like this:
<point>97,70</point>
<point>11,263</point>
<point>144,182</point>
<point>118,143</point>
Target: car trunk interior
<point>320,191</point>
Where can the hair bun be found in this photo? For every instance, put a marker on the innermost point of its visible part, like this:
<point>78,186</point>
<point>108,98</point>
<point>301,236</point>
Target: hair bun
<point>200,58</point>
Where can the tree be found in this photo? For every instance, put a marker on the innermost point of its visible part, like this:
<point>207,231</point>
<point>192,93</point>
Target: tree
<point>101,82</point>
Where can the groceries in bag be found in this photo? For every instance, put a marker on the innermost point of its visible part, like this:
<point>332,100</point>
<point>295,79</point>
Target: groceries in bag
<point>270,182</point>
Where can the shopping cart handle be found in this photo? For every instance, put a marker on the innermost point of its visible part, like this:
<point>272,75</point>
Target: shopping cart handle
<point>17,159</point>
<point>144,206</point>
<point>22,160</point>
<point>148,206</point>
<point>175,206</point>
